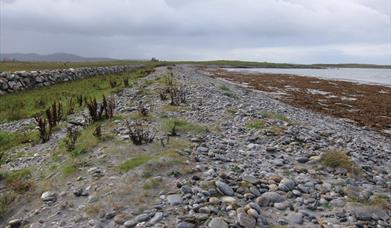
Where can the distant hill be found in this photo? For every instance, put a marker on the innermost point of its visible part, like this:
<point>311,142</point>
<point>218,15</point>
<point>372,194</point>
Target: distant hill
<point>56,57</point>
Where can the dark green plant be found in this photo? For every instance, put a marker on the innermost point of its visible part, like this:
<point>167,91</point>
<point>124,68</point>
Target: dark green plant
<point>126,82</point>
<point>94,109</point>
<point>80,100</point>
<point>54,114</point>
<point>98,132</point>
<point>71,107</point>
<point>43,128</point>
<point>109,106</point>
<point>113,83</point>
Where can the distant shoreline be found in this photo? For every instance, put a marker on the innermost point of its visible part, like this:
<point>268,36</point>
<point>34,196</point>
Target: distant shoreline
<point>45,65</point>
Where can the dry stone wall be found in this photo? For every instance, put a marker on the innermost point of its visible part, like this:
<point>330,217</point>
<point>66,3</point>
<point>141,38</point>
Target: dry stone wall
<point>20,80</point>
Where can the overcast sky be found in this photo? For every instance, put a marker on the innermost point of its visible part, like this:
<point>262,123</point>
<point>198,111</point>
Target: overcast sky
<point>296,31</point>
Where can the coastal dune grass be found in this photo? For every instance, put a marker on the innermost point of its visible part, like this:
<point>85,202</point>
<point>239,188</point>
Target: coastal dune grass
<point>29,103</point>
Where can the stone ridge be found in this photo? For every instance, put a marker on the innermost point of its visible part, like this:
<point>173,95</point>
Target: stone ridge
<point>20,80</point>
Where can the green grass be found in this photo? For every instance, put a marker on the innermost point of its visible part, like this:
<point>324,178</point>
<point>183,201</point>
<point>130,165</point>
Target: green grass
<point>172,108</point>
<point>134,162</point>
<point>30,102</point>
<point>275,116</point>
<point>30,66</point>
<point>255,124</point>
<point>69,170</point>
<point>9,140</point>
<point>16,174</point>
<point>182,126</point>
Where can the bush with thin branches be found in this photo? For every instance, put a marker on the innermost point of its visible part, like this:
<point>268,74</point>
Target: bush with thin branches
<point>43,128</point>
<point>140,133</point>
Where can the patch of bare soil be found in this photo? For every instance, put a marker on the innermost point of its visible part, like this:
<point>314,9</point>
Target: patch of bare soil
<point>368,105</point>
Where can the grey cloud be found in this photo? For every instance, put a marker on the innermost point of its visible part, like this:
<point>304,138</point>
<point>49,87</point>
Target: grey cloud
<point>194,29</point>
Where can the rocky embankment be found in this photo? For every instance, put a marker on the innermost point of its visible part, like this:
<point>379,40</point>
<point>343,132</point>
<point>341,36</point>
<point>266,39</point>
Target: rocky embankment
<point>15,81</point>
<point>259,165</point>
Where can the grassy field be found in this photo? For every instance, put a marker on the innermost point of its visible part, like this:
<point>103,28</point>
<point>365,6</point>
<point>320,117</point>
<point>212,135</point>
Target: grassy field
<point>35,101</point>
<point>30,66</point>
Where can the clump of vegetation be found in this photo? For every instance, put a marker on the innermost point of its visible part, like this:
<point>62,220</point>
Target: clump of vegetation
<point>275,116</point>
<point>134,162</point>
<point>142,110</point>
<point>68,170</point>
<point>98,132</point>
<point>54,114</point>
<point>140,133</point>
<point>113,83</point>
<point>339,159</point>
<point>44,128</point>
<point>126,82</point>
<point>381,201</point>
<point>18,180</point>
<point>231,110</point>
<point>163,93</point>
<point>224,88</point>
<point>255,124</point>
<point>171,90</point>
<point>71,107</point>
<point>376,200</point>
<point>70,140</point>
<point>109,106</point>
<point>275,130</point>
<point>86,141</point>
<point>152,183</point>
<point>177,95</point>
<point>80,100</point>
<point>6,199</point>
<point>227,91</point>
<point>99,111</point>
<point>174,126</point>
<point>94,110</point>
